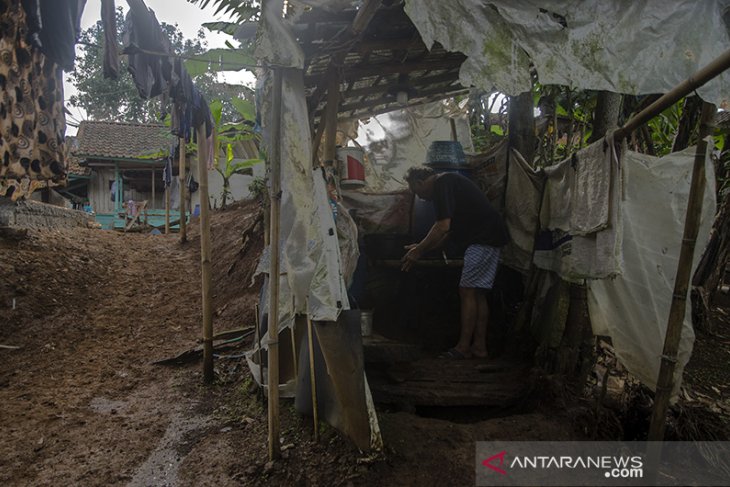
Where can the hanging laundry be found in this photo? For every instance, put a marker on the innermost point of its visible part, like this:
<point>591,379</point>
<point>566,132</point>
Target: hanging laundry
<point>33,20</point>
<point>60,22</point>
<point>167,171</point>
<point>181,92</point>
<point>591,186</point>
<point>111,53</point>
<point>557,203</point>
<point>32,121</point>
<point>146,45</point>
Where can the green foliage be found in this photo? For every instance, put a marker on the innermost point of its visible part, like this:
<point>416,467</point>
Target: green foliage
<point>216,60</point>
<point>663,128</point>
<point>119,100</point>
<point>487,128</point>
<point>239,10</point>
<point>228,135</point>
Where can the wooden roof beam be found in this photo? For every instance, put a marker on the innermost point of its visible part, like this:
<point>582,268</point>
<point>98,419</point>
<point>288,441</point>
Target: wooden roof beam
<point>391,106</point>
<point>364,15</point>
<point>374,70</point>
<point>415,84</point>
<point>446,91</point>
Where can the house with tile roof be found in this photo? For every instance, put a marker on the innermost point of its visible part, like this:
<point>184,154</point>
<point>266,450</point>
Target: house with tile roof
<point>121,162</point>
<point>114,162</point>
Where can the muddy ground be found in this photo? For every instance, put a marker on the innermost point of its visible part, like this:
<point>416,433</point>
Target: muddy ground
<point>82,403</point>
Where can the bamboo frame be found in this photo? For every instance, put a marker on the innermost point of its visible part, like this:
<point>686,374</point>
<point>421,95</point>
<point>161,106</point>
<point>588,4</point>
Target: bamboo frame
<point>205,256</point>
<point>665,381</point>
<point>167,209</point>
<point>181,177</point>
<point>699,78</point>
<point>312,379</point>
<point>273,323</point>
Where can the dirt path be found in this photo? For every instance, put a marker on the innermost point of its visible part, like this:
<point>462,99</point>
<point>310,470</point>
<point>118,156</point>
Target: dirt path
<point>81,403</point>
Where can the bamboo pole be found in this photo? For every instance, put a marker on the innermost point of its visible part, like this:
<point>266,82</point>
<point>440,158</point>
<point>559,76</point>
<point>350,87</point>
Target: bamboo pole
<point>273,323</point>
<point>717,66</point>
<point>665,381</point>
<point>312,379</point>
<point>181,176</point>
<point>294,349</point>
<point>330,118</point>
<point>167,209</point>
<point>205,257</point>
<point>153,188</point>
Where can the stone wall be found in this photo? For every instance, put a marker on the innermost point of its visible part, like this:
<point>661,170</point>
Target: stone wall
<point>36,215</point>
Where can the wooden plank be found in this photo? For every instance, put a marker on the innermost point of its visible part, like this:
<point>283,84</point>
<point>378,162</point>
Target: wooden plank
<point>420,83</point>
<point>439,382</point>
<point>450,62</point>
<point>330,118</point>
<point>391,106</point>
<point>364,15</point>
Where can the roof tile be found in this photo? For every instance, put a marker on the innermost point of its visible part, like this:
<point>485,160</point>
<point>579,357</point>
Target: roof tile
<point>121,140</point>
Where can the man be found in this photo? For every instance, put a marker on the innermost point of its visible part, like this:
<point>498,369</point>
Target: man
<point>464,215</point>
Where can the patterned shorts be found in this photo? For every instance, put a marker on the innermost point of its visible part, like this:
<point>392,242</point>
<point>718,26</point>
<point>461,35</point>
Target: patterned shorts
<point>480,266</point>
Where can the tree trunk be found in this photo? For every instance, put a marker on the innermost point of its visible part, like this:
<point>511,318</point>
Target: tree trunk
<point>575,353</point>
<point>687,123</point>
<point>605,118</point>
<point>711,269</point>
<point>522,125</point>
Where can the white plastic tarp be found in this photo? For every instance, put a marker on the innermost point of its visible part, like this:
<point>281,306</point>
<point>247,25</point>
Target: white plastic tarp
<point>633,308</point>
<point>638,47</point>
<point>398,140</point>
<point>311,277</point>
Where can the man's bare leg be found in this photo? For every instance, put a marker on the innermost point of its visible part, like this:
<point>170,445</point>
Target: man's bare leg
<point>469,311</point>
<point>479,346</point>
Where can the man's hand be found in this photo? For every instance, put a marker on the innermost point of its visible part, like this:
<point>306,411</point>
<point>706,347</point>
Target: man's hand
<point>411,257</point>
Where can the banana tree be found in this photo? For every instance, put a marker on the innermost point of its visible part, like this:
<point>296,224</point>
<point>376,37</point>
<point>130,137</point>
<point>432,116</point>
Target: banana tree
<point>232,135</point>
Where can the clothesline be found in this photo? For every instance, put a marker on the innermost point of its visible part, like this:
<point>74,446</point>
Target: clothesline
<point>139,50</point>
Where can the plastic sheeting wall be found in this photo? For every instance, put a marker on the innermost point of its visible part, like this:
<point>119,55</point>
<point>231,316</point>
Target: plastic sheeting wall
<point>311,278</point>
<point>398,140</point>
<point>633,308</point>
<point>636,47</point>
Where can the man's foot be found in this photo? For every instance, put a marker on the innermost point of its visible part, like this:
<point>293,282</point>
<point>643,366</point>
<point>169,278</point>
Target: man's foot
<point>478,353</point>
<point>453,354</point>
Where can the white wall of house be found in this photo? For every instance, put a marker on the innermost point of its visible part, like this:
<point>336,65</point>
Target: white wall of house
<point>239,185</point>
<point>100,195</point>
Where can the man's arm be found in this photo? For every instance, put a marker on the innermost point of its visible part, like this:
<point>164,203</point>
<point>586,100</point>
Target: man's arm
<point>435,238</point>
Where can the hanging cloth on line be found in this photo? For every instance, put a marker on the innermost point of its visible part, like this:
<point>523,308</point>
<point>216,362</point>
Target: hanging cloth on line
<point>32,121</point>
<point>111,54</point>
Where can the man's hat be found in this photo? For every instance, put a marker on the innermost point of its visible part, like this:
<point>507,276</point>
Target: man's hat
<point>447,153</point>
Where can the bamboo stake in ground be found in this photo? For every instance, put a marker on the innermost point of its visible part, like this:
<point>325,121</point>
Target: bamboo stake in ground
<point>312,379</point>
<point>205,258</point>
<point>273,323</point>
<point>167,209</point>
<point>665,382</point>
<point>181,177</point>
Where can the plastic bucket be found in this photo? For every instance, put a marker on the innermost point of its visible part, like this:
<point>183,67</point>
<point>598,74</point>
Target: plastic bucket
<point>366,322</point>
<point>352,169</point>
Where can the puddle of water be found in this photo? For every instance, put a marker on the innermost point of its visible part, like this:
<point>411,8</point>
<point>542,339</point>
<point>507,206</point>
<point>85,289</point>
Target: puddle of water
<point>106,406</point>
<point>161,467</point>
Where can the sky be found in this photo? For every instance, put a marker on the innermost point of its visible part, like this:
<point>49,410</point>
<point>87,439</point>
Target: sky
<point>187,16</point>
